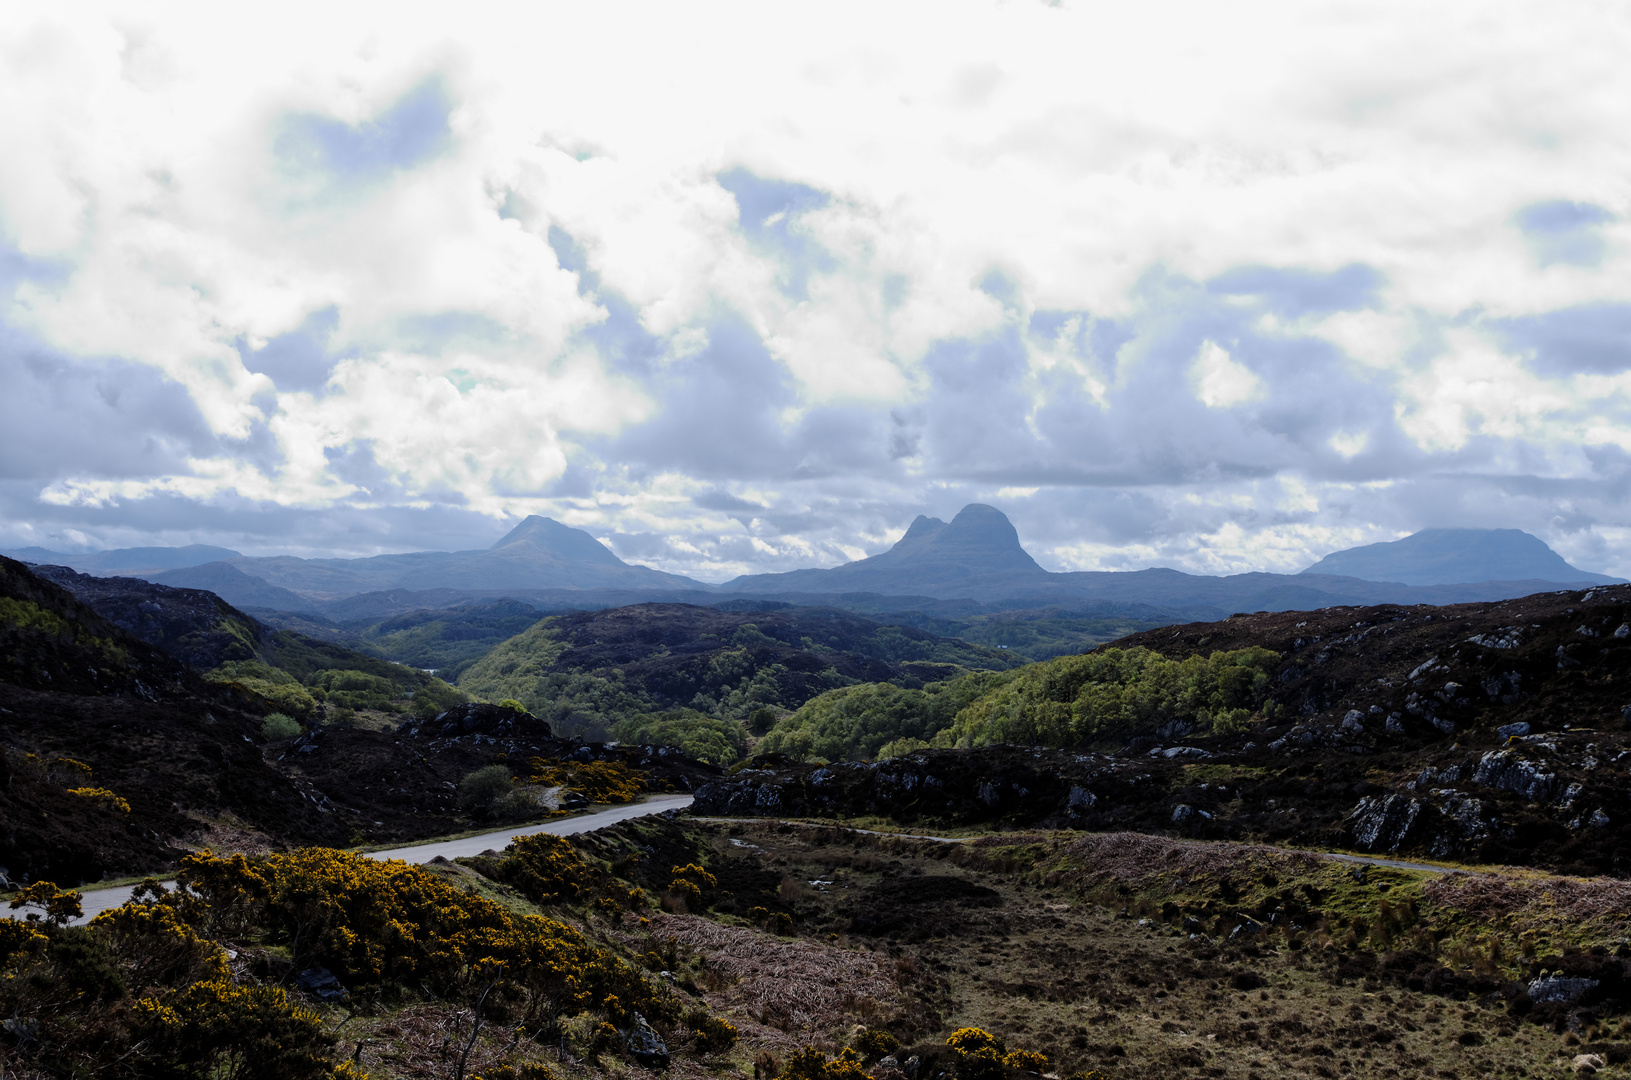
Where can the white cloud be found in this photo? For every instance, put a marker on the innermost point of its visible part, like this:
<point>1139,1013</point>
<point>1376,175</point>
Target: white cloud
<point>1221,382</point>
<point>1104,163</point>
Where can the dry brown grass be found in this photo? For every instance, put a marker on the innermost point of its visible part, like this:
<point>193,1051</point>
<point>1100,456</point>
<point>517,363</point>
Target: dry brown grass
<point>227,836</point>
<point>787,984</point>
<point>1134,857</point>
<point>1491,895</point>
<point>422,1041</point>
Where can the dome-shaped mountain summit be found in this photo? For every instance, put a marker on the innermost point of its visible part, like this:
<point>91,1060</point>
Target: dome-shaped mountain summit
<point>1451,556</point>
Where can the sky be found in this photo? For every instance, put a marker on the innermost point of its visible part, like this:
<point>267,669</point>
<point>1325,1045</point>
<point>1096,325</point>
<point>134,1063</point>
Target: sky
<point>747,287</point>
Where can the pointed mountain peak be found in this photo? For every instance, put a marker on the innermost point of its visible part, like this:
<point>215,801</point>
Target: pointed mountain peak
<point>561,541</point>
<point>921,529</point>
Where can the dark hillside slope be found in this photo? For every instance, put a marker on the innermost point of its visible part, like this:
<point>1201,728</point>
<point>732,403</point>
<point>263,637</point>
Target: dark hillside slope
<point>226,645</point>
<point>196,627</point>
<point>74,688</point>
<point>1495,732</point>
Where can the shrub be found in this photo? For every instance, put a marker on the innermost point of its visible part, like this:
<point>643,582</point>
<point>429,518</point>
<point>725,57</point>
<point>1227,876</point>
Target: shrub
<point>1026,1061</point>
<point>597,781</point>
<point>808,1063</point>
<point>874,1043</point>
<point>56,906</point>
<point>278,726</point>
<point>247,1032</point>
<point>108,799</point>
<point>479,790</point>
<point>511,703</point>
<point>712,1034</point>
<point>545,869</point>
<point>979,1054</point>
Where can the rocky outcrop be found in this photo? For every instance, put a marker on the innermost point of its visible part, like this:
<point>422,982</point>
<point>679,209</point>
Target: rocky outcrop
<point>1509,771</point>
<point>476,718</point>
<point>1385,823</point>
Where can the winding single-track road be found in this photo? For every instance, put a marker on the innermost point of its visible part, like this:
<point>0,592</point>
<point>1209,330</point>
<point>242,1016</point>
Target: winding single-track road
<point>95,901</point>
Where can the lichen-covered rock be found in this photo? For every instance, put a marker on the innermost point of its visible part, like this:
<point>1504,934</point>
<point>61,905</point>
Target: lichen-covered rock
<point>1561,988</point>
<point>1506,770</point>
<point>1384,823</point>
<point>644,1045</point>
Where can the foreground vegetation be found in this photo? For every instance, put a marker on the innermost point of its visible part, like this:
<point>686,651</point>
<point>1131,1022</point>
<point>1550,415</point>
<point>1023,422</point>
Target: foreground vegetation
<point>817,953</point>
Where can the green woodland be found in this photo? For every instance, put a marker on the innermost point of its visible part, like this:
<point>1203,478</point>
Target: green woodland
<point>313,680</point>
<point>1108,695</point>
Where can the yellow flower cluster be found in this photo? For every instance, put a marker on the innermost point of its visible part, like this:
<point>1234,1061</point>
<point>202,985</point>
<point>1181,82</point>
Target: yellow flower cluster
<point>107,798</point>
<point>597,781</point>
<point>808,1063</point>
<point>391,922</point>
<point>980,1056</point>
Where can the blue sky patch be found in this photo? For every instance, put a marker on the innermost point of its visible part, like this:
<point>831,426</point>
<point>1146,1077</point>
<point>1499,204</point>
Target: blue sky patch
<point>1564,232</point>
<point>409,133</point>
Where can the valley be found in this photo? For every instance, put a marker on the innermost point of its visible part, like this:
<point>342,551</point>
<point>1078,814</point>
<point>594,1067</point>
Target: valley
<point>1133,880</point>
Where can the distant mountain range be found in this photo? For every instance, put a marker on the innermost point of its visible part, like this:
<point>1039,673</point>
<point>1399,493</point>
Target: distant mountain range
<point>975,558</point>
<point>137,560</point>
<point>1455,556</point>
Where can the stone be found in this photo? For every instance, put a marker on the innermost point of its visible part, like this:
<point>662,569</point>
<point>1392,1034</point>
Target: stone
<point>1507,637</point>
<point>1623,630</point>
<point>1384,823</point>
<point>1559,988</point>
<point>1505,770</point>
<point>644,1045</point>
<point>1080,798</point>
<point>1354,722</point>
<point>320,983</point>
<point>1512,731</point>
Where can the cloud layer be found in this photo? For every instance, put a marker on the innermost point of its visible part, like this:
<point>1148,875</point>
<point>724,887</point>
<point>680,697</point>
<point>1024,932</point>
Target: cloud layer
<point>744,288</point>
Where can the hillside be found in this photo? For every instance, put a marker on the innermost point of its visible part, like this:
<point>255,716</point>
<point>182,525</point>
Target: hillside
<point>310,678</point>
<point>1449,556</point>
<point>86,707</point>
<point>591,671</point>
<point>375,752</point>
<point>445,641</point>
<point>1495,732</point>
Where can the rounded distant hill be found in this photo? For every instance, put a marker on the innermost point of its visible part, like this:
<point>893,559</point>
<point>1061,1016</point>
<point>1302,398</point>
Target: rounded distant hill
<point>1457,556</point>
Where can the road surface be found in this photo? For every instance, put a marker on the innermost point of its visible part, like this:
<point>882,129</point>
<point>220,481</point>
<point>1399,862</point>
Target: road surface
<point>96,901</point>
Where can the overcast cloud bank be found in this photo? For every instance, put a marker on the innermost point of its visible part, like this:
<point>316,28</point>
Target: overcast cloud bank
<point>742,290</point>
